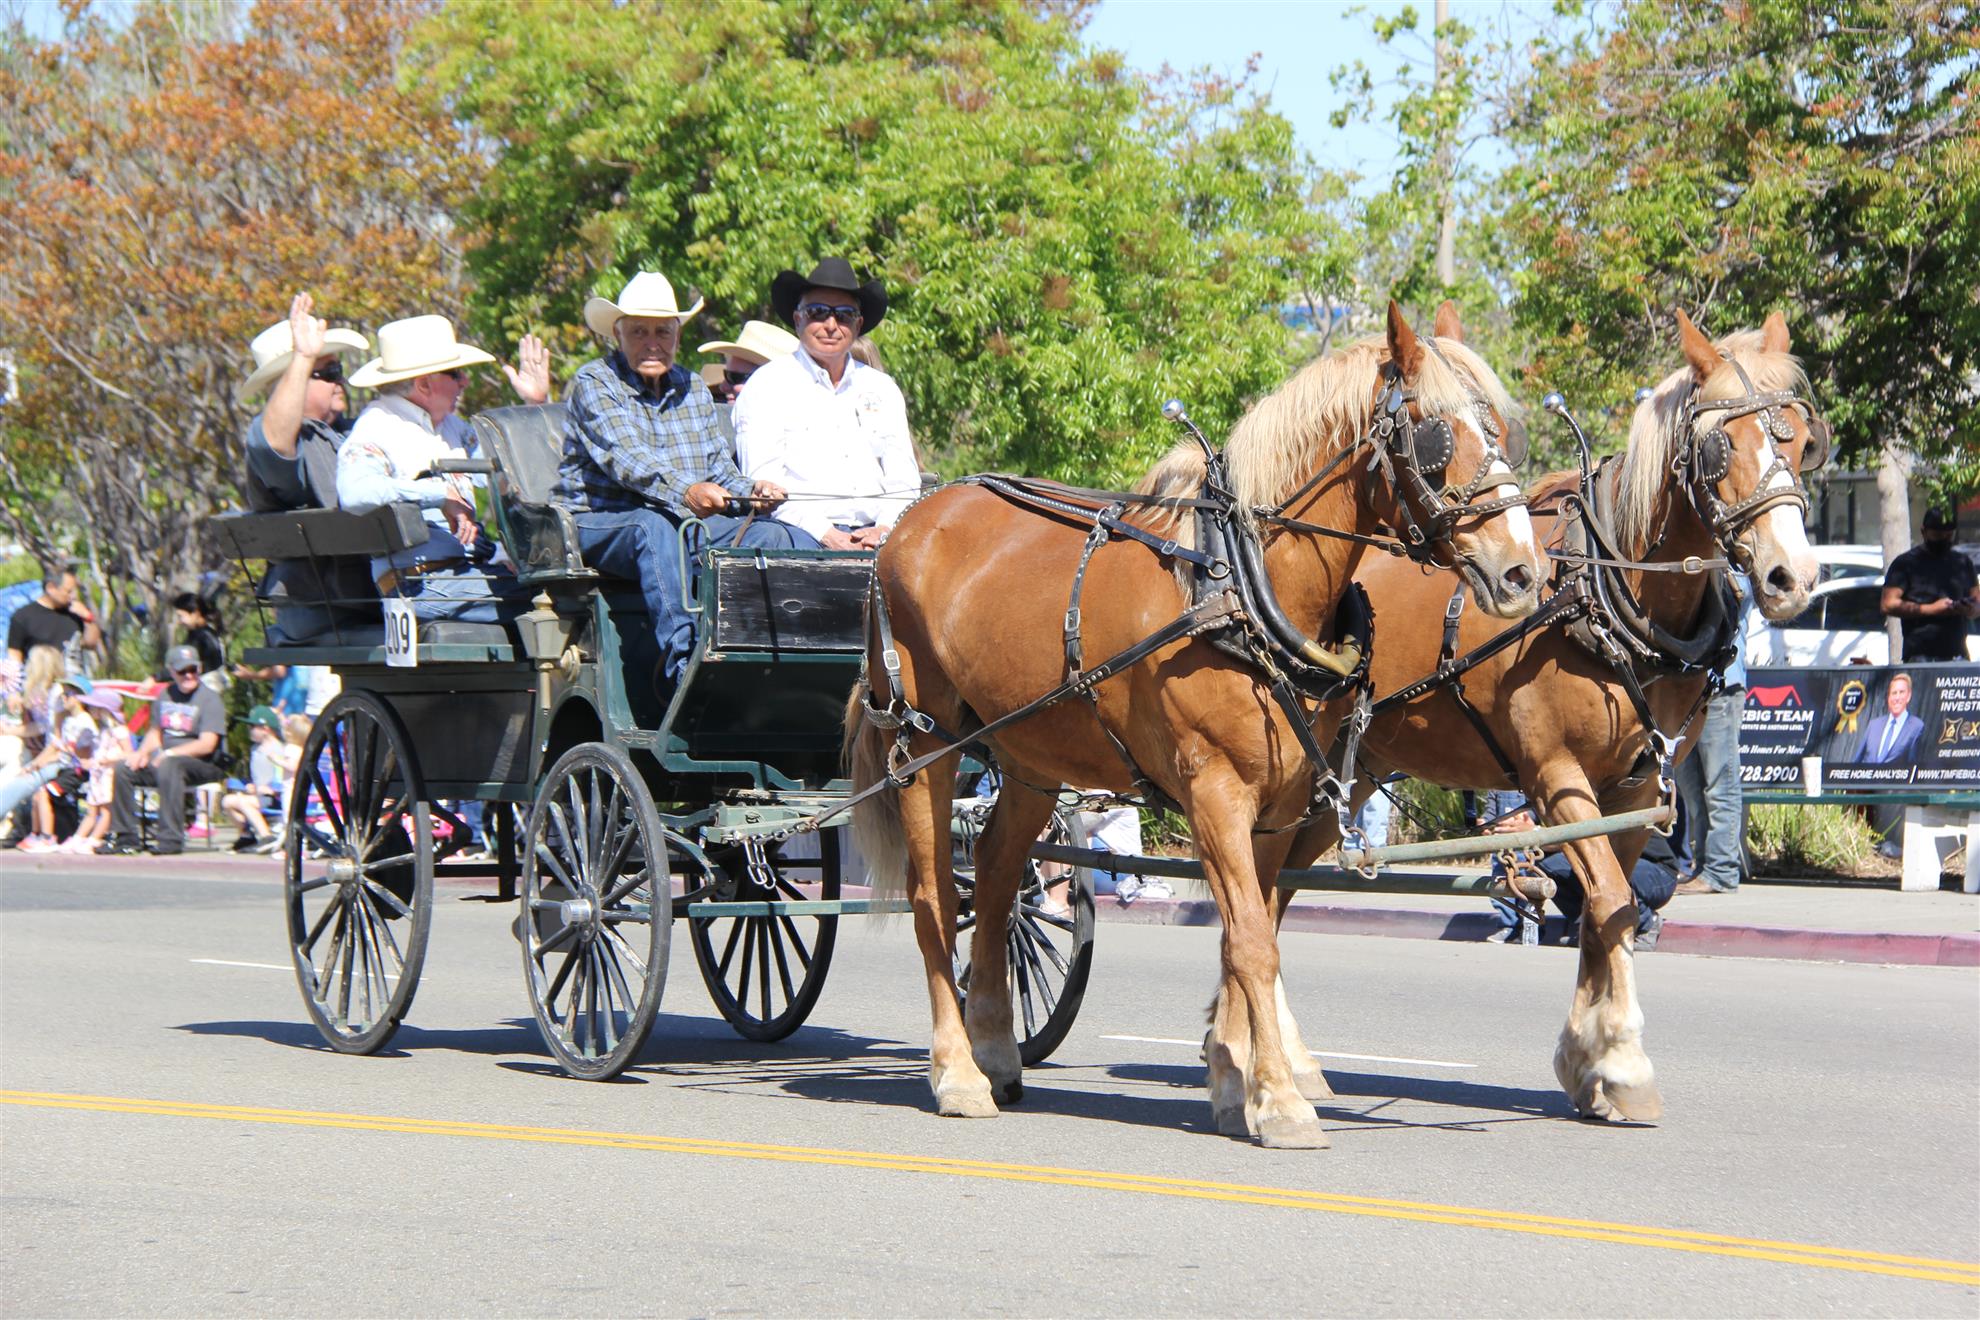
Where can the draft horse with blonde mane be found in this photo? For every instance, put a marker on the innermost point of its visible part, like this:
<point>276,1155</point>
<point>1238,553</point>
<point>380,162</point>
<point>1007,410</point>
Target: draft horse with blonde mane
<point>969,629</point>
<point>1711,469</point>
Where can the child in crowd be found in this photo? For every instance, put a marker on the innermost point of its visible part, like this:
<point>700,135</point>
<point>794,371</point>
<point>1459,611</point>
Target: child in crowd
<point>113,744</point>
<point>271,764</point>
<point>72,743</point>
<point>38,708</point>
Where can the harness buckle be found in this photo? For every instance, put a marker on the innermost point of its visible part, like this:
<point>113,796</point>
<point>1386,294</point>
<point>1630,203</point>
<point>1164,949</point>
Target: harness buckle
<point>891,660</point>
<point>1167,548</point>
<point>1693,565</point>
<point>920,721</point>
<point>1072,622</point>
<point>1454,609</point>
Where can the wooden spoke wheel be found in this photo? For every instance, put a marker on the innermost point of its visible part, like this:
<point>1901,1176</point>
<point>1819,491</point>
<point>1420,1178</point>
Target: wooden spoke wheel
<point>765,971</point>
<point>1049,953</point>
<point>358,873</point>
<point>597,898</point>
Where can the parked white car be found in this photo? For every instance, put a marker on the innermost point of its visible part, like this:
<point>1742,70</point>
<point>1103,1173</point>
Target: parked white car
<point>1844,620</point>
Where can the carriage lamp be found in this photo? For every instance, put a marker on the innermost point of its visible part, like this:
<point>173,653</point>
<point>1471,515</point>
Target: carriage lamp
<point>545,635</point>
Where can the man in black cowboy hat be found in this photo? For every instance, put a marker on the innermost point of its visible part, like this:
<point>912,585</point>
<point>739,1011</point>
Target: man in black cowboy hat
<point>831,431</point>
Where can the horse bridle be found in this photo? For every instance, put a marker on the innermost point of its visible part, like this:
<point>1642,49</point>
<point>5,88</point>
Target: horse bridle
<point>1701,462</point>
<point>1412,457</point>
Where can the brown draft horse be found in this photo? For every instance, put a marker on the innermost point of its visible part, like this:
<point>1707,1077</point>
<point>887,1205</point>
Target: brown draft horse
<point>977,588</point>
<point>1561,716</point>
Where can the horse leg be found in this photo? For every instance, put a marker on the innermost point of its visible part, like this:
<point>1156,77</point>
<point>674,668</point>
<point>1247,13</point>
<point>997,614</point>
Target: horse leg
<point>1600,1060</point>
<point>1273,1106</point>
<point>1308,844</point>
<point>1015,824</point>
<point>961,1090</point>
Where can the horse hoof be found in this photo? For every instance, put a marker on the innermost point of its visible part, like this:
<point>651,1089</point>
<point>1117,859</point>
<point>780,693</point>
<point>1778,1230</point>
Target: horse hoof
<point>1230,1122</point>
<point>1313,1086</point>
<point>1292,1134</point>
<point>1639,1104</point>
<point>966,1104</point>
<point>1009,1093</point>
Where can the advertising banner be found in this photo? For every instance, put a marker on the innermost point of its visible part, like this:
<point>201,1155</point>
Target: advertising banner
<point>1902,726</point>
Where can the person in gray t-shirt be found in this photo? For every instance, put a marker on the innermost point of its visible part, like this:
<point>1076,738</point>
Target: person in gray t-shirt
<point>181,750</point>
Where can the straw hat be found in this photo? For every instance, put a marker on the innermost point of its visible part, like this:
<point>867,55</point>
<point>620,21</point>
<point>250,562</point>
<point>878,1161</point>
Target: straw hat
<point>646,294</point>
<point>417,346</point>
<point>759,341</point>
<point>273,348</point>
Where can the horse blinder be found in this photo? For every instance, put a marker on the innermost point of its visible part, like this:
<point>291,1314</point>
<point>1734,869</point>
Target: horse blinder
<point>1815,453</point>
<point>1714,455</point>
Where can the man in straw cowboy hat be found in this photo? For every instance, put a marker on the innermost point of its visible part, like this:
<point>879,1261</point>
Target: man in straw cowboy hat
<point>825,427</point>
<point>759,342</point>
<point>643,452</point>
<point>419,373</point>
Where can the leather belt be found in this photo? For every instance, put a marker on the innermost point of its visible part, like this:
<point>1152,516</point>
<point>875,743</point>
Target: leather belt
<point>389,580</point>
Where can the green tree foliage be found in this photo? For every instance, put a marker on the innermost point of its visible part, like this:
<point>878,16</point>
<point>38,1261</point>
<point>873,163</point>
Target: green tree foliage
<point>1741,158</point>
<point>1064,244</point>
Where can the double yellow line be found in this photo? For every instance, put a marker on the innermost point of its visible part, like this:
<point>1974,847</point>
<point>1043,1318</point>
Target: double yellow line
<point>1505,1221</point>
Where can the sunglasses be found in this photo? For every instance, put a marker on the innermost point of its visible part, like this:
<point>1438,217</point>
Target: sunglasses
<point>458,375</point>
<point>189,669</point>
<point>818,311</point>
<point>737,377</point>
<point>332,372</point>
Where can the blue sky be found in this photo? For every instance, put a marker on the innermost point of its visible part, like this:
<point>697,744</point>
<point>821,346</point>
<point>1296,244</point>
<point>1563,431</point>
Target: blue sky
<point>1299,42</point>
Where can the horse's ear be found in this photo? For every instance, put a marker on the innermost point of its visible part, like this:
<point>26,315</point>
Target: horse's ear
<point>1448,325</point>
<point>1774,334</point>
<point>1404,348</point>
<point>1698,350</point>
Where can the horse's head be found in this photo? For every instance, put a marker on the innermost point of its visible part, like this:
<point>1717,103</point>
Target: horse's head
<point>1744,436</point>
<point>1447,438</point>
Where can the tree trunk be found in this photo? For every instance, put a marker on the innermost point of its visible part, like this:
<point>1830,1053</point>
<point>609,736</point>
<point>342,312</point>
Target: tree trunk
<point>1894,514</point>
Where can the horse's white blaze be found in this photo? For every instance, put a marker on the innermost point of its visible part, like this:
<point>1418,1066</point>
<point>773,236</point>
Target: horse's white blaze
<point>1783,521</point>
<point>1516,517</point>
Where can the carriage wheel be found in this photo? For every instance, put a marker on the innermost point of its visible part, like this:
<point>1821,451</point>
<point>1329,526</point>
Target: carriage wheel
<point>1049,955</point>
<point>597,896</point>
<point>765,973</point>
<point>358,873</point>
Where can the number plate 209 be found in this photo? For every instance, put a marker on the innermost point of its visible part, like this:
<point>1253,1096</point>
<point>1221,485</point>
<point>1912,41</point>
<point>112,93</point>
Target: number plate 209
<point>401,634</point>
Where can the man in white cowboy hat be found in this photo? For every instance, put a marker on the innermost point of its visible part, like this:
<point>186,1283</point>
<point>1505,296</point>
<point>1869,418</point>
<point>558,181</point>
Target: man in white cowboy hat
<point>759,342</point>
<point>829,429</point>
<point>419,373</point>
<point>643,452</point>
<point>292,459</point>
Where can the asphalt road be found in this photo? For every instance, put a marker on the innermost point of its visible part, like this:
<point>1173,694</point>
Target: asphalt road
<point>1820,1152</point>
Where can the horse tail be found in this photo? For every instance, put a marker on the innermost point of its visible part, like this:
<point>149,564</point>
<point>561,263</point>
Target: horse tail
<point>876,822</point>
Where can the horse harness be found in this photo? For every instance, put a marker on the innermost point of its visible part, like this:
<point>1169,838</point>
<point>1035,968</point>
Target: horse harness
<point>1231,599</point>
<point>1593,602</point>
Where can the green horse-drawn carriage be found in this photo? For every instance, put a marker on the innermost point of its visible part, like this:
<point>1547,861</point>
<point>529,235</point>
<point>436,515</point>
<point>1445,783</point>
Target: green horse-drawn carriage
<point>612,811</point>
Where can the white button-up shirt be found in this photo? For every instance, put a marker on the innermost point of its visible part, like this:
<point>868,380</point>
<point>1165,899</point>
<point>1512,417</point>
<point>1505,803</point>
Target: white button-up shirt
<point>380,462</point>
<point>842,452</point>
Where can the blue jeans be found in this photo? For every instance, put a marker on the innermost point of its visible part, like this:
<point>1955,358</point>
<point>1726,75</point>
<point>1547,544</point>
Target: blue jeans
<point>470,593</point>
<point>1709,781</point>
<point>1651,884</point>
<point>19,789</point>
<point>643,545</point>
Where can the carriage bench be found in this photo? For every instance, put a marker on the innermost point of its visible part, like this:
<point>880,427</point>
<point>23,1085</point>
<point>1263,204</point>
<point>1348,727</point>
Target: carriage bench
<point>1936,824</point>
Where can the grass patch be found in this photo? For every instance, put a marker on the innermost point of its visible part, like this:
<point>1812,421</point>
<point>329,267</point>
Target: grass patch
<point>1817,836</point>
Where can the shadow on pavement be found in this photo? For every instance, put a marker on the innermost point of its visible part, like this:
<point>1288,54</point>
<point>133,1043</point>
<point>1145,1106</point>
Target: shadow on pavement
<point>1520,1102</point>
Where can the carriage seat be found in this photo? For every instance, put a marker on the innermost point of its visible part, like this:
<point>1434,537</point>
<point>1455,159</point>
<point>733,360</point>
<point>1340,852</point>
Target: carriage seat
<point>527,443</point>
<point>330,538</point>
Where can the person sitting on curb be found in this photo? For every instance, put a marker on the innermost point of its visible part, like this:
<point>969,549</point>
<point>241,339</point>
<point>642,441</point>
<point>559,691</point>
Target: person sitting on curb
<point>1652,881</point>
<point>643,453</point>
<point>825,427</point>
<point>180,750</point>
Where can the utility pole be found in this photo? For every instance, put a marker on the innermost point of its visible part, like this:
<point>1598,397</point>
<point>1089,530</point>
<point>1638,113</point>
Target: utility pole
<point>1446,157</point>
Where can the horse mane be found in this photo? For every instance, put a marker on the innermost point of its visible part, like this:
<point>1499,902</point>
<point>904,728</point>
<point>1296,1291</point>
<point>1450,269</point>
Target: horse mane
<point>1330,402</point>
<point>1653,430</point>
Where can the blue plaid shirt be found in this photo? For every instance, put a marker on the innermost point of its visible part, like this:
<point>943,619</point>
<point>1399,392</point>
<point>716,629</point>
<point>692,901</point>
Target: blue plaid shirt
<point>628,446</point>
